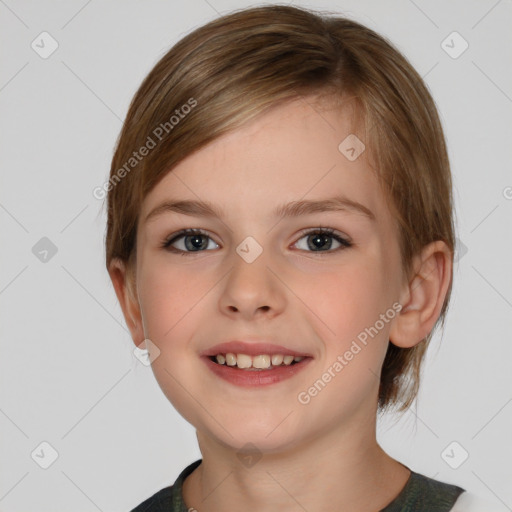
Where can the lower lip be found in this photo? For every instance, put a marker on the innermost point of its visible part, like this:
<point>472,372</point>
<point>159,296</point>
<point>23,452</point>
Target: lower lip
<point>255,378</point>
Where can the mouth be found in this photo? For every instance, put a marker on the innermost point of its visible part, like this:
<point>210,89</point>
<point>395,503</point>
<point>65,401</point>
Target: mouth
<point>257,371</point>
<point>257,363</point>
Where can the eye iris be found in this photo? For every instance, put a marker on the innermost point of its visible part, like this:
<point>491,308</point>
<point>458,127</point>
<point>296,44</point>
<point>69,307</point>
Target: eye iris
<point>195,242</point>
<point>319,241</point>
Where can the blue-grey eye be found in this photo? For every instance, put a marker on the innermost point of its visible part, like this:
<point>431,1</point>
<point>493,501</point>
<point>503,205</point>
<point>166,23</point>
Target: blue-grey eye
<point>190,241</point>
<point>321,240</point>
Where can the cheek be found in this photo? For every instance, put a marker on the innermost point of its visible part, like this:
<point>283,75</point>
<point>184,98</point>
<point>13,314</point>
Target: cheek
<point>349,299</point>
<point>356,304</point>
<point>349,304</point>
<point>168,296</point>
<point>171,303</point>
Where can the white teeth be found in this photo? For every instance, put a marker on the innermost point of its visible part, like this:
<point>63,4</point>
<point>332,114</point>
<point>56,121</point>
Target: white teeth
<point>277,359</point>
<point>261,362</point>
<point>243,361</point>
<point>231,359</point>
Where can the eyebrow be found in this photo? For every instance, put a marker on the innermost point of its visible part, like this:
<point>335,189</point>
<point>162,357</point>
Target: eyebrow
<point>292,209</point>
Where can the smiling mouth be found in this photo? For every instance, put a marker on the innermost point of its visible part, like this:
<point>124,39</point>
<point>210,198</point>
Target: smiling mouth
<point>256,363</point>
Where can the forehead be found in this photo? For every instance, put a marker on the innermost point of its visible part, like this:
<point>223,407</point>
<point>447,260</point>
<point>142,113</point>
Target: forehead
<point>302,149</point>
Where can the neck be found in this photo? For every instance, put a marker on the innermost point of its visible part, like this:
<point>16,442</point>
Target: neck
<point>340,470</point>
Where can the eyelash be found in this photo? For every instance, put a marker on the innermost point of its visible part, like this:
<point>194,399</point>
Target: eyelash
<point>167,243</point>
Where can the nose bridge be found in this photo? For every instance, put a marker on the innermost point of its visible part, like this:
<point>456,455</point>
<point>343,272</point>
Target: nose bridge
<point>251,286</point>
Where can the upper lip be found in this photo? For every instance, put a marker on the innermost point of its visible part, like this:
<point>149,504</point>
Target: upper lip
<point>251,349</point>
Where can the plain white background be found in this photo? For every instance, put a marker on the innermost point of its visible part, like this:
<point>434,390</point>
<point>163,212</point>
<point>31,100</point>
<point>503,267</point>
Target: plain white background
<point>68,374</point>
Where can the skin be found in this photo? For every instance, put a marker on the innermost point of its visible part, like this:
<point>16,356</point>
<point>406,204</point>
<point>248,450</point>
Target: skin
<point>301,297</point>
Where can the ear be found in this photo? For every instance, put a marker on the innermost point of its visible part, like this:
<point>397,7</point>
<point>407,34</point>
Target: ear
<point>124,285</point>
<point>423,295</point>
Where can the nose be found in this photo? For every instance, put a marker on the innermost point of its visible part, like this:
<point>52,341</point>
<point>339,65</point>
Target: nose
<point>252,291</point>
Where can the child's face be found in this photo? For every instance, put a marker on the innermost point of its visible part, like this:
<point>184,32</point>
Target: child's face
<point>294,293</point>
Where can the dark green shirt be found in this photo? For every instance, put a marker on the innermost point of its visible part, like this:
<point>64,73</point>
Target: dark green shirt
<point>420,494</point>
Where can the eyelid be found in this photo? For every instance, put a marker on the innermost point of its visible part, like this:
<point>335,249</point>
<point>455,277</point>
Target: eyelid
<point>302,233</point>
<point>327,230</point>
<point>186,231</point>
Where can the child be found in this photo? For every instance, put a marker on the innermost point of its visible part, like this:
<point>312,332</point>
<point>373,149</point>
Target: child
<point>280,239</point>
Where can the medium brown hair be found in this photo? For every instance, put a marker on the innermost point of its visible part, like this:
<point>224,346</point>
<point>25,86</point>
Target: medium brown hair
<point>241,64</point>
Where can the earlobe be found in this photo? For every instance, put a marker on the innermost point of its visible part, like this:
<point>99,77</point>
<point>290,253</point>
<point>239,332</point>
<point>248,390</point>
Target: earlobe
<point>423,296</point>
<point>124,287</point>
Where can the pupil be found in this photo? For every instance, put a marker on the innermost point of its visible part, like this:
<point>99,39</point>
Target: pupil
<point>195,242</point>
<point>320,241</point>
